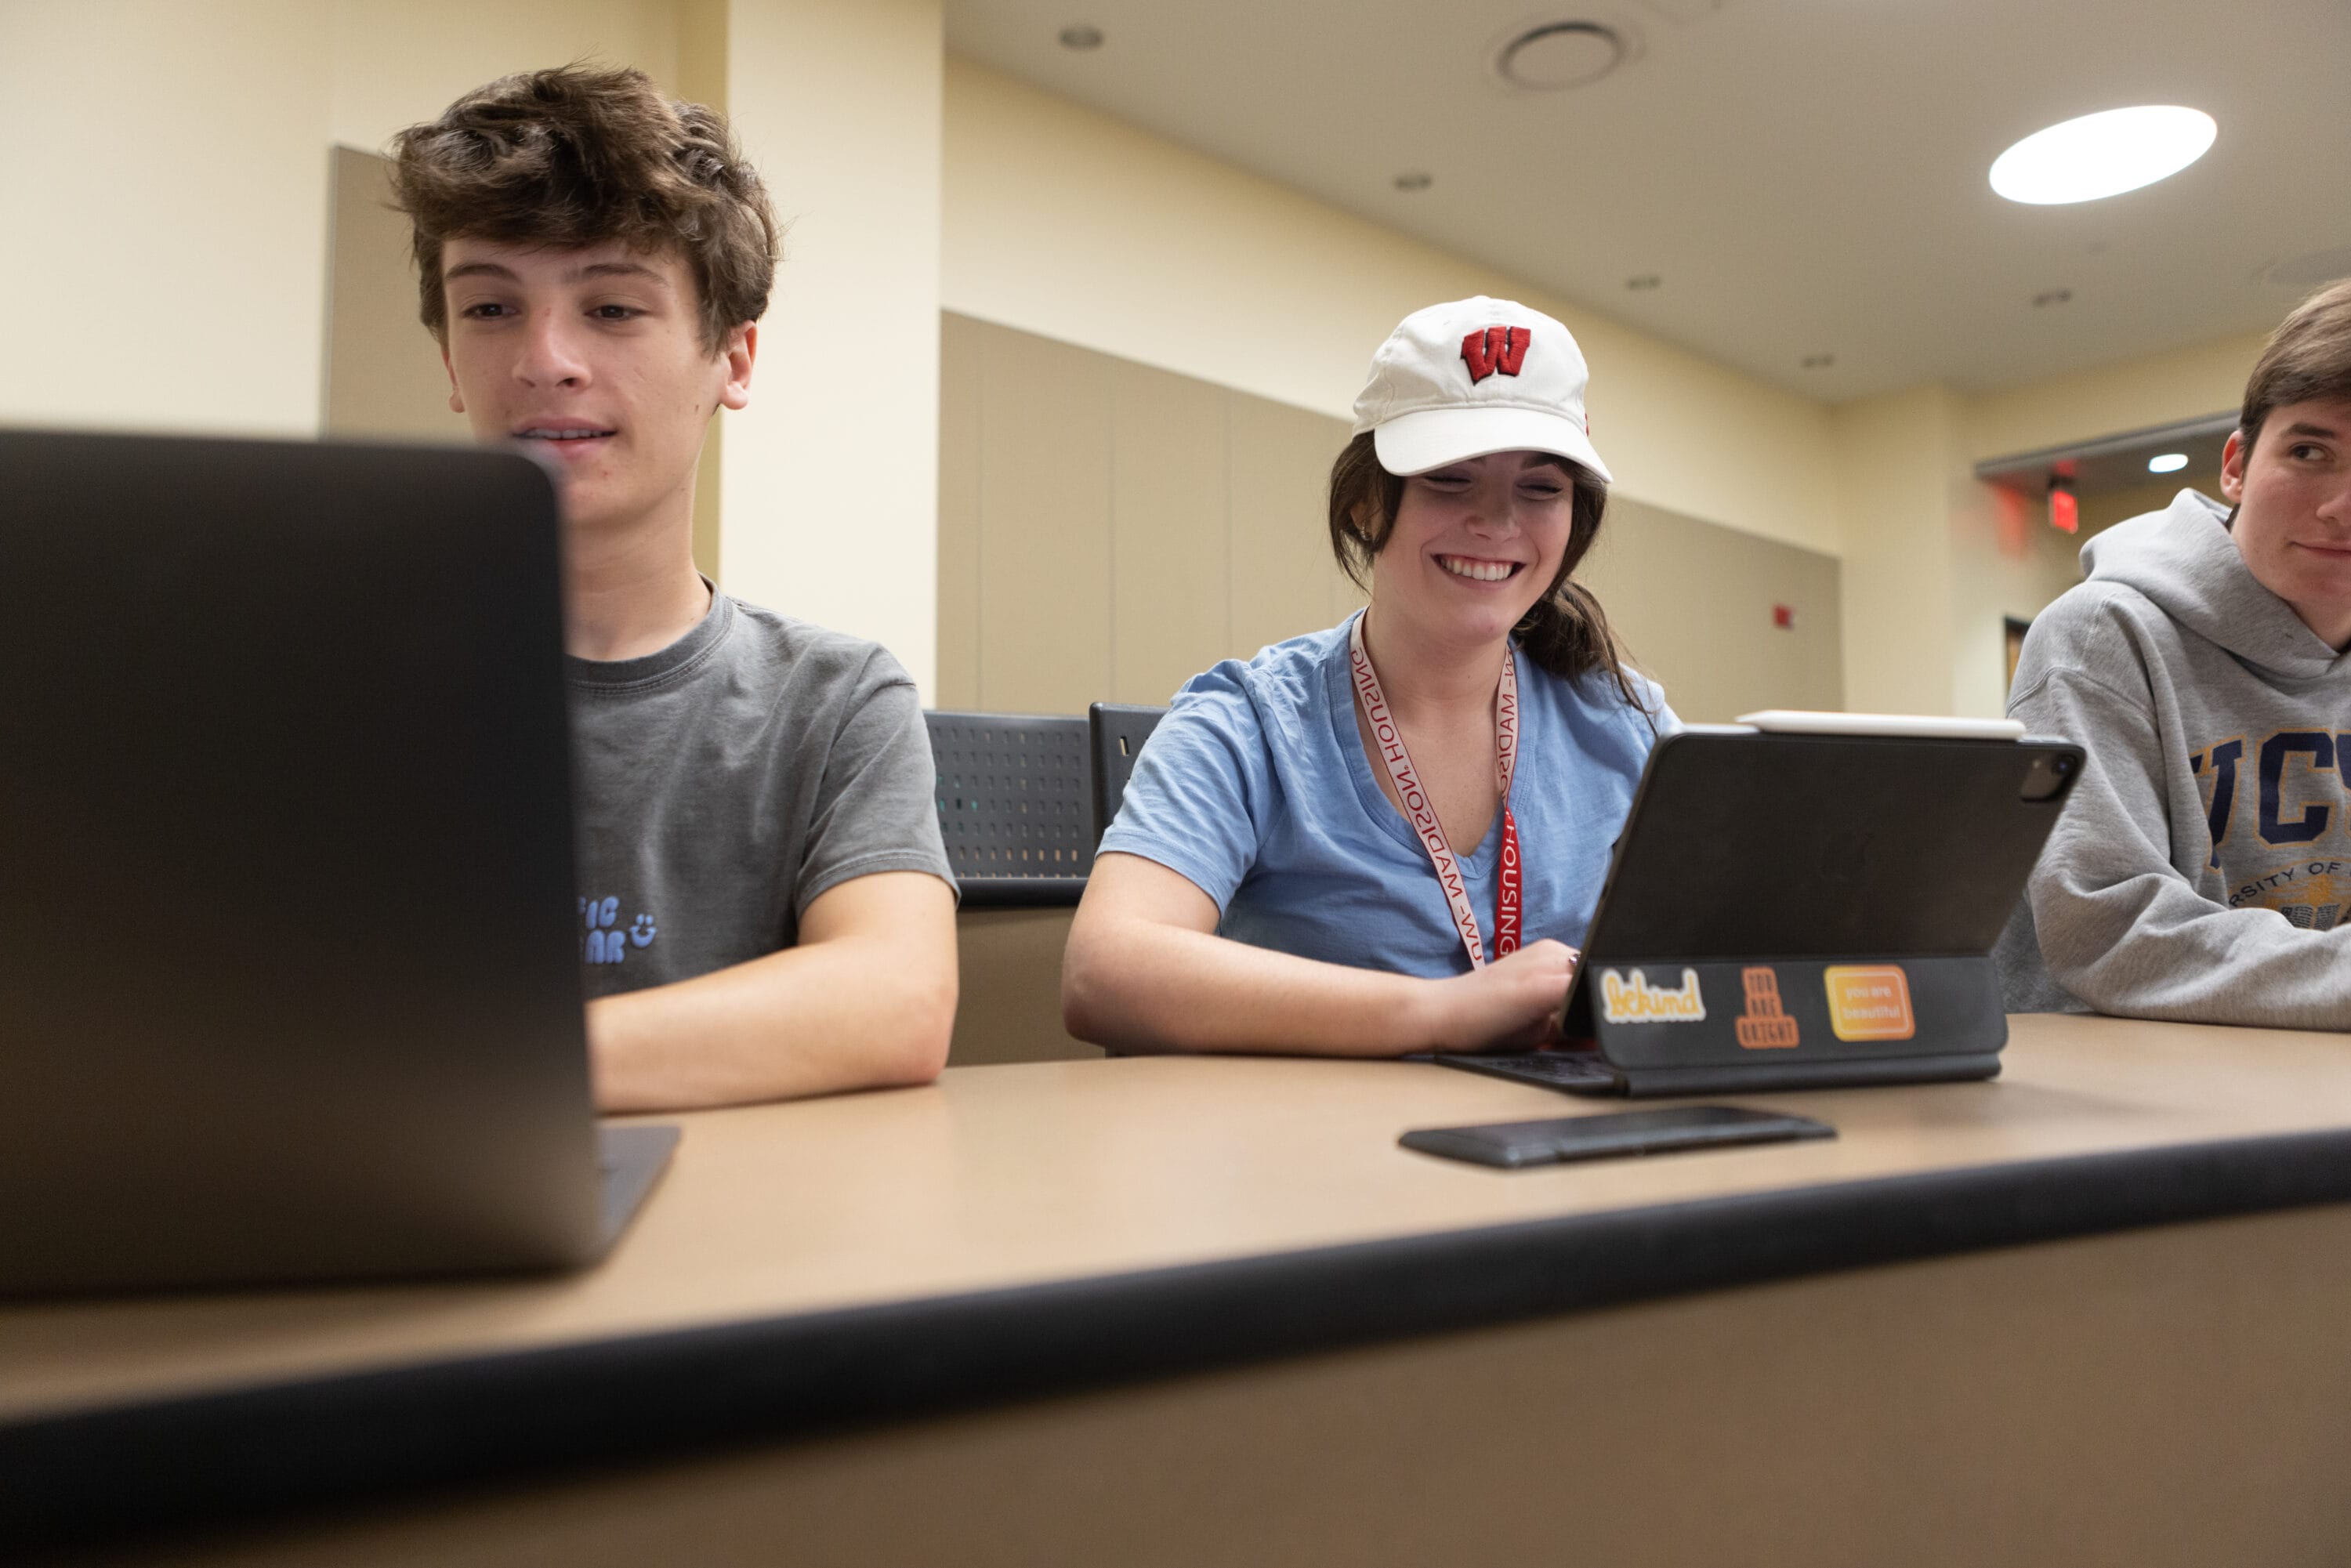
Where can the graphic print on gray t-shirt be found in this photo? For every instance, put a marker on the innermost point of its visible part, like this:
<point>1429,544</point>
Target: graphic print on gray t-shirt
<point>725,781</point>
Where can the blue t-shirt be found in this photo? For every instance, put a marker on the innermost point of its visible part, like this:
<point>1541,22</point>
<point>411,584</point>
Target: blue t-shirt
<point>1255,788</point>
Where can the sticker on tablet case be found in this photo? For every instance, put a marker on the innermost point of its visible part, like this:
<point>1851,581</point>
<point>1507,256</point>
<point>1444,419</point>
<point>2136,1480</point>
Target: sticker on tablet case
<point>1633,999</point>
<point>1764,1025</point>
<point>1870,1002</point>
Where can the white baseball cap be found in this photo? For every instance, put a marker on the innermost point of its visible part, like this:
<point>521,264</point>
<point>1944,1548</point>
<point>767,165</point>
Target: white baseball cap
<point>1476,376</point>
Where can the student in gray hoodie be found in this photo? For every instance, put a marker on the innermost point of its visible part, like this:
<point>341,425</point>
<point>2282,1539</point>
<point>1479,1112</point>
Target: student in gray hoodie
<point>2202,869</point>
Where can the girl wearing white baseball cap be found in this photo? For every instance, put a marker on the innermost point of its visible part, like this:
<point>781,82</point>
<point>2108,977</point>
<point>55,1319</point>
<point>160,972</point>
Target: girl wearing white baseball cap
<point>1388,837</point>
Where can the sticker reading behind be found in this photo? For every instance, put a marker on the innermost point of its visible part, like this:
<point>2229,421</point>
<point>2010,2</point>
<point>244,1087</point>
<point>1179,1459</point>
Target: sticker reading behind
<point>1630,998</point>
<point>1870,1002</point>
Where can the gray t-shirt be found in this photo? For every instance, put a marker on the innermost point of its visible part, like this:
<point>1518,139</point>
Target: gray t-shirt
<point>725,781</point>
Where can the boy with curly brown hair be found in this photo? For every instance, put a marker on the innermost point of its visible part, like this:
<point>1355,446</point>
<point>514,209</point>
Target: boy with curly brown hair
<point>764,901</point>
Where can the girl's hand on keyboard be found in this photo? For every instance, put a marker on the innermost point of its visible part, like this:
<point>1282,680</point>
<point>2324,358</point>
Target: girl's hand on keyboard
<point>1512,1004</point>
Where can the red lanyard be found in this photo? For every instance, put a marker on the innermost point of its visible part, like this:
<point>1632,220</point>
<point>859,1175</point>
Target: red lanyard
<point>1389,741</point>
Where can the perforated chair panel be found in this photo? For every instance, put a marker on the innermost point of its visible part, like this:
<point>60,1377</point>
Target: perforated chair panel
<point>1118,732</point>
<point>1012,798</point>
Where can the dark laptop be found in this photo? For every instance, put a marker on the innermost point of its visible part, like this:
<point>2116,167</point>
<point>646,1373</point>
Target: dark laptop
<point>288,957</point>
<point>1801,910</point>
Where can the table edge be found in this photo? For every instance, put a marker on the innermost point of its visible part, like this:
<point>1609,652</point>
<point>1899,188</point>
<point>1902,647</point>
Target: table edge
<point>347,1439</point>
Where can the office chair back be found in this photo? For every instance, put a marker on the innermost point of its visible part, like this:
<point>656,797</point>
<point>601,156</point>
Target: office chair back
<point>1118,731</point>
<point>1012,801</point>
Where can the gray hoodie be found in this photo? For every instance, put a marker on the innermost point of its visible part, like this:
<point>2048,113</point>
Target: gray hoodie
<point>2202,869</point>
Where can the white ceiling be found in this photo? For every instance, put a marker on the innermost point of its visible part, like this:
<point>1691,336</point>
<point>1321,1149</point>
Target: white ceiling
<point>1804,176</point>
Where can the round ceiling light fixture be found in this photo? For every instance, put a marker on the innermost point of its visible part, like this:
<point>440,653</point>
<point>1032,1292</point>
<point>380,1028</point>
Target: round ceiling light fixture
<point>2167,463</point>
<point>2103,154</point>
<point>1560,55</point>
<point>1081,37</point>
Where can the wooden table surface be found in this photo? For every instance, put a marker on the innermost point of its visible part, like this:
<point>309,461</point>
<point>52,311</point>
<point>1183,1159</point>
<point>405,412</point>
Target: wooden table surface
<point>1001,1178</point>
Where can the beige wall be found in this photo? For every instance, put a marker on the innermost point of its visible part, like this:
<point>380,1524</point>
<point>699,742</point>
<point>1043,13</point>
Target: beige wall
<point>396,64</point>
<point>2010,564</point>
<point>163,170</point>
<point>2137,394</point>
<point>1109,529</point>
<point>913,183</point>
<point>832,475</point>
<point>167,166</point>
<point>2007,562</point>
<point>2100,513</point>
<point>2007,559</point>
<point>384,372</point>
<point>1896,455</point>
<point>174,160</point>
<point>1936,561</point>
<point>1069,224</point>
<point>1691,604</point>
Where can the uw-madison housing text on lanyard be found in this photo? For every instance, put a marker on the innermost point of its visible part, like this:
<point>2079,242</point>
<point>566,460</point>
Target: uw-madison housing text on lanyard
<point>1388,740</point>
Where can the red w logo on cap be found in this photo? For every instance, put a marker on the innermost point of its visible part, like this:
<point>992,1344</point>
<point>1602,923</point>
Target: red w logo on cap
<point>1502,348</point>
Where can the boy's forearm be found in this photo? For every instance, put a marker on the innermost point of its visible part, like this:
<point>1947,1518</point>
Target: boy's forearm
<point>853,1013</point>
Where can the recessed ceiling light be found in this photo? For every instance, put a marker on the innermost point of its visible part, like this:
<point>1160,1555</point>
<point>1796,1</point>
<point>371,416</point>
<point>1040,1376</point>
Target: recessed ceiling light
<point>1817,361</point>
<point>2052,297</point>
<point>2167,463</point>
<point>1644,282</point>
<point>1414,180</point>
<point>2103,154</point>
<point>1561,54</point>
<point>1081,37</point>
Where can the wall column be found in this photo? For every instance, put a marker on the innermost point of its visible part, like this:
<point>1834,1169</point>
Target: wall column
<point>1894,460</point>
<point>1934,559</point>
<point>830,477</point>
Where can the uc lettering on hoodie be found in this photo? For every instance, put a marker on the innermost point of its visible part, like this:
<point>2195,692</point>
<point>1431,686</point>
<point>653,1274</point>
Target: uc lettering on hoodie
<point>2290,801</point>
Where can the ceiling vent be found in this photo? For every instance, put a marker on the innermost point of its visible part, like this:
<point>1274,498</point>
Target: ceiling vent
<point>2304,273</point>
<point>1684,11</point>
<point>1560,55</point>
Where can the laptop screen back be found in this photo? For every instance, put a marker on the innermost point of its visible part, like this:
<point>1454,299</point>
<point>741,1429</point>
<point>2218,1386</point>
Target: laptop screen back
<point>291,975</point>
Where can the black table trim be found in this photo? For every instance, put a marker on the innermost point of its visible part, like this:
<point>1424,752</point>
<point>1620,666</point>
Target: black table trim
<point>266,1452</point>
